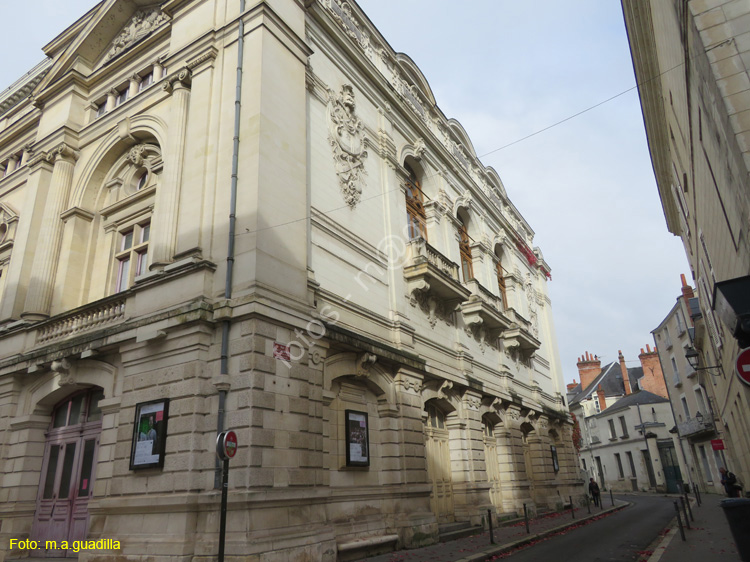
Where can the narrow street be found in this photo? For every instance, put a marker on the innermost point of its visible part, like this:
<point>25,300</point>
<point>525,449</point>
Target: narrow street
<point>622,536</point>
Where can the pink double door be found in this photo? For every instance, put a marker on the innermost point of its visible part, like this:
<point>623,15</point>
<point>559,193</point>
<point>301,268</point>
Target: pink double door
<point>67,476</point>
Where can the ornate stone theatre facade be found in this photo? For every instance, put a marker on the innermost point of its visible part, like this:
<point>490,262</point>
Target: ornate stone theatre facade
<point>294,243</point>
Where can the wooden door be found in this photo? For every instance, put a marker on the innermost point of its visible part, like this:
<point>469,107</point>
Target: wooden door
<point>67,474</point>
<point>437,450</point>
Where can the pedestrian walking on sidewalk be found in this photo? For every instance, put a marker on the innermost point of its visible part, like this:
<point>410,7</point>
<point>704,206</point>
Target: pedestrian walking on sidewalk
<point>729,481</point>
<point>594,491</point>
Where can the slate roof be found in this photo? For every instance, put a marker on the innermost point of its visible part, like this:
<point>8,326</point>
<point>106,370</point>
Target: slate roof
<point>641,397</point>
<point>611,380</point>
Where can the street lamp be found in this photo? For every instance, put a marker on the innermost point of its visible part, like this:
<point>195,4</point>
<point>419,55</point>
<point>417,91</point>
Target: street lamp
<point>694,359</point>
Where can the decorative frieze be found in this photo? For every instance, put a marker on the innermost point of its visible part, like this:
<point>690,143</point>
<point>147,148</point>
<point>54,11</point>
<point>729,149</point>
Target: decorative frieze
<point>141,25</point>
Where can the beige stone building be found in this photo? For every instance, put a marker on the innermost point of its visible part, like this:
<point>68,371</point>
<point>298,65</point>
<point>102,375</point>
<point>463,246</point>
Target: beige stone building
<point>691,61</point>
<point>253,215</point>
<point>692,395</point>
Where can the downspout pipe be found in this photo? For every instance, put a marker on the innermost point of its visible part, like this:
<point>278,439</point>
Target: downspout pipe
<point>226,324</point>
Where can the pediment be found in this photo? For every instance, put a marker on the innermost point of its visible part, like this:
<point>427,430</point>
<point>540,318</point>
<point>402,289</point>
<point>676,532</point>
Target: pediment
<point>100,36</point>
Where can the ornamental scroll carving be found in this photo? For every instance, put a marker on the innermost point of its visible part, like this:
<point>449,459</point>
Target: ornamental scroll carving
<point>347,139</point>
<point>140,25</point>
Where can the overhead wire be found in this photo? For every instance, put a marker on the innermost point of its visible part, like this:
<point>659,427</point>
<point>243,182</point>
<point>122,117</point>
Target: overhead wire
<point>530,135</point>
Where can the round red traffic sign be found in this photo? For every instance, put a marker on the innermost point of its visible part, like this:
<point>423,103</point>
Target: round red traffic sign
<point>742,365</point>
<point>226,445</point>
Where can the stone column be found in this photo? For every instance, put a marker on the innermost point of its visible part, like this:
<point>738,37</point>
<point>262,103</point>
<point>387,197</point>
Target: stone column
<point>47,252</point>
<point>164,224</point>
<point>158,71</point>
<point>135,81</point>
<point>111,99</point>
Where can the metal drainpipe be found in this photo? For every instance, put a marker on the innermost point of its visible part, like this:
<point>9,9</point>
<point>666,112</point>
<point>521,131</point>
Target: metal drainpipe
<point>224,367</point>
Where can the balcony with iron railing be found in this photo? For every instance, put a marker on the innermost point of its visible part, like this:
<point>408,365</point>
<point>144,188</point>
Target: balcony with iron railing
<point>428,270</point>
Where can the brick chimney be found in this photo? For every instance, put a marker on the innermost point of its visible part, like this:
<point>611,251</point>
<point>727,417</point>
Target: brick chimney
<point>687,290</point>
<point>572,385</point>
<point>624,369</point>
<point>653,378</point>
<point>589,367</point>
<point>602,401</point>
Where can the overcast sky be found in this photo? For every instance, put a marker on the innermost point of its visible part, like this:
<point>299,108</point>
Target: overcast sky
<point>506,69</point>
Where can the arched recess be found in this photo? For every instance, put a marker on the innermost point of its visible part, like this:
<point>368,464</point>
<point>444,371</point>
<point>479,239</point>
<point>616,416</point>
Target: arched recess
<point>364,367</point>
<point>80,386</point>
<point>441,406</point>
<point>111,212</point>
<point>354,383</point>
<point>40,397</point>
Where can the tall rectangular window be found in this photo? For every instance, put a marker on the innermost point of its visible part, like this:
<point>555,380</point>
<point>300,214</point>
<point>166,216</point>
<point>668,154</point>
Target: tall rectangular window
<point>612,431</point>
<point>501,283</point>
<point>132,257</point>
<point>631,463</point>
<point>620,472</point>
<point>464,245</point>
<point>623,426</point>
<point>415,214</point>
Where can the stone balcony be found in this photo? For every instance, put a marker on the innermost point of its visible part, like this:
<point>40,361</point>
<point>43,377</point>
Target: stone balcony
<point>429,271</point>
<point>696,427</point>
<point>519,338</point>
<point>485,309</point>
<point>94,316</point>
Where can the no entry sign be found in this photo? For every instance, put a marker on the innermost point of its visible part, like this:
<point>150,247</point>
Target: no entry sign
<point>742,365</point>
<point>226,445</point>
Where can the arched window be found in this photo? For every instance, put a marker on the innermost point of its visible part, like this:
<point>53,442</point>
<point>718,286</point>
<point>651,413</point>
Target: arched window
<point>125,202</point>
<point>415,215</point>
<point>464,245</point>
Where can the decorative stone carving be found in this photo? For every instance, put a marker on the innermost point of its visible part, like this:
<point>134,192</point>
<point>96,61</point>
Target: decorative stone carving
<point>445,387</point>
<point>472,402</point>
<point>419,148</point>
<point>432,307</point>
<point>137,154</point>
<point>142,24</point>
<point>347,139</point>
<point>364,362</point>
<point>532,298</point>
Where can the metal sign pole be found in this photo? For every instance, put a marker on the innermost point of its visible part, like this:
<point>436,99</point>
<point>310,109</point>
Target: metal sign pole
<point>223,521</point>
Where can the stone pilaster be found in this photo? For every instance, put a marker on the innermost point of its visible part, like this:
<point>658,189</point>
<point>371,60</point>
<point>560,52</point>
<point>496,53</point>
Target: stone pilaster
<point>164,225</point>
<point>47,252</point>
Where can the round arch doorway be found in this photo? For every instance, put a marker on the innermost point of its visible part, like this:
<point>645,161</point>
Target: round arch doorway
<point>67,474</point>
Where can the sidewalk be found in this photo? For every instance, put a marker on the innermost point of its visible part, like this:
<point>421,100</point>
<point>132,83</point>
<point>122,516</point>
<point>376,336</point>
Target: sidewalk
<point>477,548</point>
<point>708,539</point>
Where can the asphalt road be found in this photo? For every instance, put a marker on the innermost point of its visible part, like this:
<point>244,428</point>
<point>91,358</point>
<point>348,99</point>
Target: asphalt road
<point>622,536</point>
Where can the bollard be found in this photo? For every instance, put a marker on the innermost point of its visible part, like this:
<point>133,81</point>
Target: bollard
<point>679,521</point>
<point>697,493</point>
<point>489,518</point>
<point>690,509</point>
<point>611,497</point>
<point>526,518</point>
<point>684,510</point>
<point>588,504</point>
<point>572,507</point>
